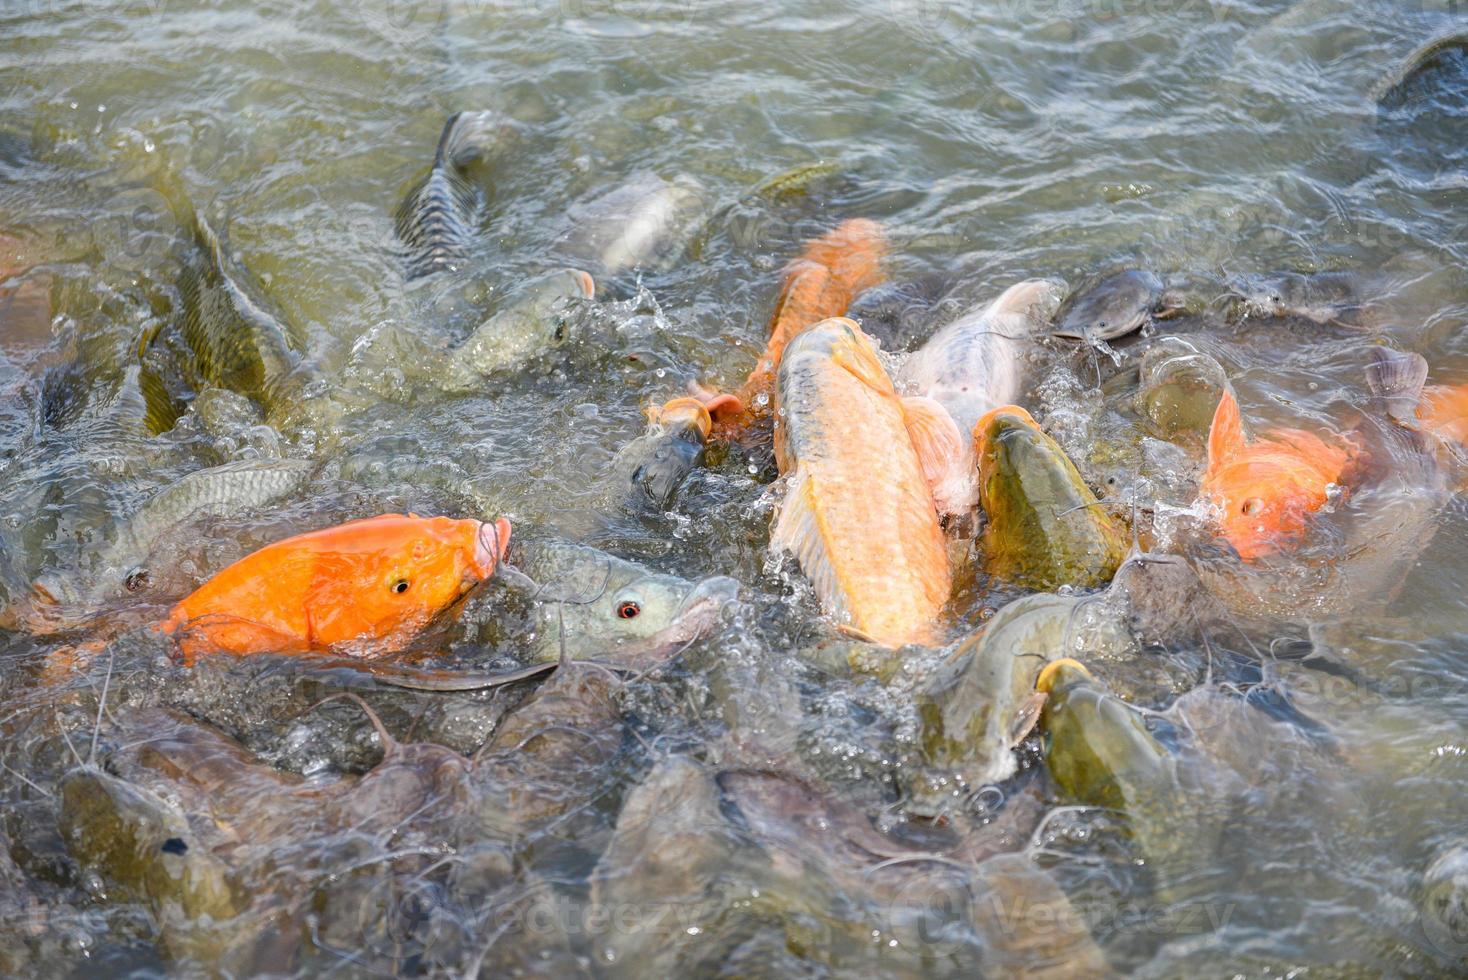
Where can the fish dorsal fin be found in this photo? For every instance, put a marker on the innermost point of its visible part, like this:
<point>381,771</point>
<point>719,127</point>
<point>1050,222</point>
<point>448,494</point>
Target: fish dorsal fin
<point>1226,435</point>
<point>1395,380</point>
<point>798,531</point>
<point>854,352</point>
<point>940,452</point>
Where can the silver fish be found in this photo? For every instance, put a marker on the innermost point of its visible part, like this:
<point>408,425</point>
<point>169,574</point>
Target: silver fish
<point>1111,307</point>
<point>645,223</point>
<point>121,567</point>
<point>597,606</point>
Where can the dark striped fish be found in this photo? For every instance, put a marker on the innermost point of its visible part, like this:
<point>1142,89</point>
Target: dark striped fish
<point>438,218</point>
<point>238,338</point>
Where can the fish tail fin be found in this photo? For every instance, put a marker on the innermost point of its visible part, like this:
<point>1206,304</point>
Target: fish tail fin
<point>1395,380</point>
<point>1226,434</point>
<point>941,454</point>
<point>1032,303</point>
<point>466,139</point>
<point>798,531</point>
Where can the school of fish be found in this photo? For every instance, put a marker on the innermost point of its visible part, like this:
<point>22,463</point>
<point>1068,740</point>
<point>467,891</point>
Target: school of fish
<point>294,727</point>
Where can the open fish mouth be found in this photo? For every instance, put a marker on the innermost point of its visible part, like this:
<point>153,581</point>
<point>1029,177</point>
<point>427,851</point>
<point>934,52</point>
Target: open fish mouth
<point>490,545</point>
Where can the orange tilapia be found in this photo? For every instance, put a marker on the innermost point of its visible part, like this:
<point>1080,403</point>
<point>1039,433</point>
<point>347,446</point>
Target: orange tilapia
<point>364,587</point>
<point>1267,487</point>
<point>858,512</point>
<point>821,283</point>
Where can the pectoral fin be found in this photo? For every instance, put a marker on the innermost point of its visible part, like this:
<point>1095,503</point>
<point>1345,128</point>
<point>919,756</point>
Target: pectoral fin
<point>798,531</point>
<point>940,451</point>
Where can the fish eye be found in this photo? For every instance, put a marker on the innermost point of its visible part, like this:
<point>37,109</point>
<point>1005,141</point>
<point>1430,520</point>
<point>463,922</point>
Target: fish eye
<point>136,580</point>
<point>399,586</point>
<point>1252,506</point>
<point>627,609</point>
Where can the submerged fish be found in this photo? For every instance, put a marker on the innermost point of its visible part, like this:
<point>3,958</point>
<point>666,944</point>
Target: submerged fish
<point>1267,487</point>
<point>975,364</point>
<point>1326,298</point>
<point>1044,527</point>
<point>1436,67</point>
<point>121,566</point>
<point>593,605</point>
<point>438,217</point>
<point>646,222</point>
<point>858,512</point>
<point>537,318</point>
<point>1443,413</point>
<point>364,587</point>
<point>238,339</point>
<point>653,466</point>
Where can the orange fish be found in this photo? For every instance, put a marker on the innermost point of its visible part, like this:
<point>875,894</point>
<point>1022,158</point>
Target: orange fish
<point>821,283</point>
<point>1267,487</point>
<point>1443,411</point>
<point>858,513</point>
<point>363,588</point>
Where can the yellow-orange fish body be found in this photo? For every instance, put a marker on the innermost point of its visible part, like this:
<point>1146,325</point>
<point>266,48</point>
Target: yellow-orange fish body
<point>859,513</point>
<point>829,273</point>
<point>1268,487</point>
<point>365,587</point>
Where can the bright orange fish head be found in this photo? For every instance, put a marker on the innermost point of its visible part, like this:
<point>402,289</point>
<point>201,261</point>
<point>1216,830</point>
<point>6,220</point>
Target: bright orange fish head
<point>389,576</point>
<point>369,584</point>
<point>1267,490</point>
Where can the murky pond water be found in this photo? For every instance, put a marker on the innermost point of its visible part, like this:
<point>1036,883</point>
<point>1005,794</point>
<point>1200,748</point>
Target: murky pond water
<point>763,795</point>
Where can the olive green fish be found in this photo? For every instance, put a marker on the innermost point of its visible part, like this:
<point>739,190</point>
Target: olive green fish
<point>1045,528</point>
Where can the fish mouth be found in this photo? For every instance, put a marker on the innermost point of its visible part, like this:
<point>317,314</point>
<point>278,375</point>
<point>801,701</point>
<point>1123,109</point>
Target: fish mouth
<point>997,426</point>
<point>696,615</point>
<point>491,542</point>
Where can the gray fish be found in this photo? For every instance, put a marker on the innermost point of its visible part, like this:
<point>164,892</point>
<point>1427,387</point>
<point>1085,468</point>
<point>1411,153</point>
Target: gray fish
<point>976,707</point>
<point>647,222</point>
<point>1410,83</point>
<point>1112,306</point>
<point>538,317</point>
<point>597,606</point>
<point>1326,298</point>
<point>438,218</point>
<point>121,566</point>
<point>652,467</point>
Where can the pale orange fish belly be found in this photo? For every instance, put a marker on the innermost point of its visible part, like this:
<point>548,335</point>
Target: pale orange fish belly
<point>858,513</point>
